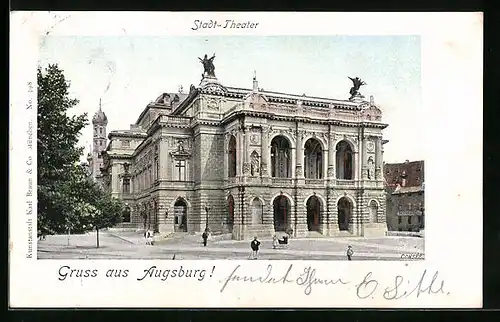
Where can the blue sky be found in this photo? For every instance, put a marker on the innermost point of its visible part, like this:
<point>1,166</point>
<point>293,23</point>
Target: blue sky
<point>129,72</point>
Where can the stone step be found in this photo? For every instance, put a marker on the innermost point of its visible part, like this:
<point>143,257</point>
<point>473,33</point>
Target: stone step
<point>315,234</point>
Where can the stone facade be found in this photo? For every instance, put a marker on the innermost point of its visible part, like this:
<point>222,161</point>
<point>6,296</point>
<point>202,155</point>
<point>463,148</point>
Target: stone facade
<point>251,163</point>
<point>405,196</point>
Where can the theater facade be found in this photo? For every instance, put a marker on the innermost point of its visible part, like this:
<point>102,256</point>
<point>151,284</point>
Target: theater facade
<point>250,162</point>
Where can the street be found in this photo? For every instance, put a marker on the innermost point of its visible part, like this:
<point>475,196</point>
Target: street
<point>131,245</point>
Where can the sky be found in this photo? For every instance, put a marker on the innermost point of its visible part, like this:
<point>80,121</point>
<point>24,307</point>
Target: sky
<point>127,73</point>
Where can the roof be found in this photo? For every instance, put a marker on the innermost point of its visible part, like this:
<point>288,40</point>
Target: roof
<point>413,172</point>
<point>100,117</point>
<point>403,190</point>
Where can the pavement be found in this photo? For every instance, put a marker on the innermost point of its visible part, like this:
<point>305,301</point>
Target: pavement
<point>131,245</point>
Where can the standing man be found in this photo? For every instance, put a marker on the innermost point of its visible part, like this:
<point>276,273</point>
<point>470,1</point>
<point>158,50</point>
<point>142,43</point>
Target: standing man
<point>255,247</point>
<point>205,238</point>
<point>350,252</point>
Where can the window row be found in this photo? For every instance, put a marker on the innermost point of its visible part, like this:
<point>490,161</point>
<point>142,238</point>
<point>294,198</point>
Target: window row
<point>146,178</point>
<point>281,159</point>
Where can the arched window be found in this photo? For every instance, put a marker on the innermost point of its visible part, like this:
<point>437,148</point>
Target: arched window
<point>232,157</point>
<point>257,210</point>
<point>345,160</point>
<point>372,210</point>
<point>281,159</point>
<point>313,208</point>
<point>180,215</point>
<point>282,213</point>
<point>313,159</point>
<point>344,207</point>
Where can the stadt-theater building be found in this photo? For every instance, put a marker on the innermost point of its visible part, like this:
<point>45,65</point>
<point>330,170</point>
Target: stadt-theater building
<point>251,163</point>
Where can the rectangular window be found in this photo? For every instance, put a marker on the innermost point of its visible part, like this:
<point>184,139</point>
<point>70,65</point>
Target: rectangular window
<point>180,170</point>
<point>419,219</point>
<point>126,185</point>
<point>399,220</point>
<point>409,220</point>
<point>100,130</point>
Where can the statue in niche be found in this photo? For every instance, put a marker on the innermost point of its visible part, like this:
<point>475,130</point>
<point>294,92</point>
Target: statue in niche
<point>356,84</point>
<point>255,166</point>
<point>180,146</point>
<point>370,168</point>
<point>208,65</point>
<point>126,167</point>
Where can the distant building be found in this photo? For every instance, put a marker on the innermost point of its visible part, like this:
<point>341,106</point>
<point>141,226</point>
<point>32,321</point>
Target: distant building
<point>99,143</point>
<point>405,195</point>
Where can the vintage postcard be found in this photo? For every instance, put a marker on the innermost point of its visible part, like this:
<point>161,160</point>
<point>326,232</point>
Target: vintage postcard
<point>227,160</point>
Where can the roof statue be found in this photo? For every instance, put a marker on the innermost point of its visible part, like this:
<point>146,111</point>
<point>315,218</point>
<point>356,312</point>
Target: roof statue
<point>356,84</point>
<point>208,65</point>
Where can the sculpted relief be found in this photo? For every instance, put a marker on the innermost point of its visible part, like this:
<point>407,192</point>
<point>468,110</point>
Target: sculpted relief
<point>213,104</point>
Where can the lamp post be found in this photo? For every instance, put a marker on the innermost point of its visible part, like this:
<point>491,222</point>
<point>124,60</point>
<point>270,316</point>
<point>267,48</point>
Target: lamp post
<point>207,209</point>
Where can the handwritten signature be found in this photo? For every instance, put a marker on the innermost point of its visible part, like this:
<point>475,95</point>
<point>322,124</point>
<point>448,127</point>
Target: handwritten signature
<point>402,288</point>
<point>369,287</point>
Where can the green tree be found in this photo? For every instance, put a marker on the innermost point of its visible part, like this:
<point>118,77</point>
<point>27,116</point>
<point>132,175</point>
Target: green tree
<point>58,151</point>
<point>68,199</point>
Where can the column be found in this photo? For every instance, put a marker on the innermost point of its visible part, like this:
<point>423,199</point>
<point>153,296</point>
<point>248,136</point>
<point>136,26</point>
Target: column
<point>324,163</point>
<point>264,171</point>
<point>299,156</point>
<point>239,153</point>
<point>226,155</point>
<point>356,165</point>
<point>378,158</point>
<point>331,154</point>
<point>364,168</point>
<point>246,149</point>
<point>163,159</point>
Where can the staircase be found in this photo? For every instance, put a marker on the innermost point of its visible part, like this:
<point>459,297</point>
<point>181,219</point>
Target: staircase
<point>315,234</point>
<point>259,231</point>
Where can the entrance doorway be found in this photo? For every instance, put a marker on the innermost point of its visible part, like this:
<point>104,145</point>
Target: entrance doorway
<point>313,213</point>
<point>344,207</point>
<point>282,209</point>
<point>180,215</point>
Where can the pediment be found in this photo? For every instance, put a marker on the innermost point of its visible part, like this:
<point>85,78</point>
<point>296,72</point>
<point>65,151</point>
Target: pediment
<point>214,88</point>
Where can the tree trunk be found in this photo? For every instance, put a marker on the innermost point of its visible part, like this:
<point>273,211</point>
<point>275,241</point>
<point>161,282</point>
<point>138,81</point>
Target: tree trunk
<point>97,229</point>
<point>69,234</point>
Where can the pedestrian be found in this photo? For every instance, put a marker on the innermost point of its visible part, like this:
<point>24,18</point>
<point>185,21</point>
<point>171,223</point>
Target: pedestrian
<point>151,238</point>
<point>275,242</point>
<point>255,247</point>
<point>146,236</point>
<point>350,252</point>
<point>205,238</point>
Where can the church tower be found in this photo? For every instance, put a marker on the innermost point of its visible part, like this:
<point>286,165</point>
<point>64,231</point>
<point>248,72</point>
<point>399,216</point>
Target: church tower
<point>99,123</point>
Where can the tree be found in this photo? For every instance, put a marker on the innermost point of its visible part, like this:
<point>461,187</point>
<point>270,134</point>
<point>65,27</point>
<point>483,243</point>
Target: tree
<point>68,199</point>
<point>58,151</point>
